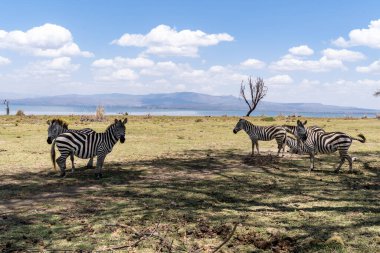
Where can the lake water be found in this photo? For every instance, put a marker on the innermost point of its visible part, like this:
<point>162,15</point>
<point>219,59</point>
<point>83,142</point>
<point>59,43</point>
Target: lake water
<point>90,110</point>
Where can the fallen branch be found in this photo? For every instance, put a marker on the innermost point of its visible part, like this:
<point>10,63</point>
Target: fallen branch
<point>143,236</point>
<point>227,239</point>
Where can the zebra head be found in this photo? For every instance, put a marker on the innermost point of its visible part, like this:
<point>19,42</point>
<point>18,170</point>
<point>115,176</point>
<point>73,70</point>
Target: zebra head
<point>301,132</point>
<point>239,126</point>
<point>56,127</point>
<point>119,129</point>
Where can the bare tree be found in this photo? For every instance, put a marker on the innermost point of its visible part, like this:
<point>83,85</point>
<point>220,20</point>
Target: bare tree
<point>377,93</point>
<point>258,91</point>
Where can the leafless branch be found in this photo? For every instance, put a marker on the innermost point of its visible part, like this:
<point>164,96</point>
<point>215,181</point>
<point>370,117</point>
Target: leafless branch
<point>227,239</point>
<point>257,90</point>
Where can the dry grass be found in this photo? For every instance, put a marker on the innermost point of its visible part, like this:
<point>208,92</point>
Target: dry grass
<point>179,184</point>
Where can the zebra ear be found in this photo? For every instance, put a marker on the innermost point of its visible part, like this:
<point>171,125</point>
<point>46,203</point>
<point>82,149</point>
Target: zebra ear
<point>298,122</point>
<point>125,121</point>
<point>116,120</point>
<point>48,122</point>
<point>305,122</point>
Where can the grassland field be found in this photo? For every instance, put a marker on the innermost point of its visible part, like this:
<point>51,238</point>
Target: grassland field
<point>180,184</point>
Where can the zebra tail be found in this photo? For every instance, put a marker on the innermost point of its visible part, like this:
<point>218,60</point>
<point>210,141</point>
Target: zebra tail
<point>52,154</point>
<point>362,140</point>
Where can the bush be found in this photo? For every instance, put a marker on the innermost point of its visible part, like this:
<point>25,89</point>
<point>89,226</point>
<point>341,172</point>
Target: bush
<point>270,119</point>
<point>20,113</point>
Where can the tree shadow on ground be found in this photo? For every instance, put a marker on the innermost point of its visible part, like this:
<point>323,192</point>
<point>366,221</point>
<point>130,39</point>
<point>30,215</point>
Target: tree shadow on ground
<point>219,187</point>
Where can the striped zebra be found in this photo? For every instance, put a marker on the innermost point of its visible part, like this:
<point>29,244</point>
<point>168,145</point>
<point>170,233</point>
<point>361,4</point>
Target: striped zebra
<point>89,145</point>
<point>292,129</point>
<point>57,127</point>
<point>262,133</point>
<point>295,147</point>
<point>326,143</point>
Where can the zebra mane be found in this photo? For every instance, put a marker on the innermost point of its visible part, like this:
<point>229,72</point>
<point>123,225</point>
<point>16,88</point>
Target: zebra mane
<point>60,122</point>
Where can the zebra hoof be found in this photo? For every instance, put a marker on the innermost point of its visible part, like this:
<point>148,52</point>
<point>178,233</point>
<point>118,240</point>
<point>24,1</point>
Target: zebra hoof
<point>63,174</point>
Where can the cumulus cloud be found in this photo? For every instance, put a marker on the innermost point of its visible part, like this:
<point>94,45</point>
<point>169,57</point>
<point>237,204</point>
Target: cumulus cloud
<point>279,79</point>
<point>48,40</point>
<point>293,63</point>
<point>343,55</point>
<point>253,63</point>
<point>302,50</point>
<point>369,37</point>
<point>61,67</point>
<point>166,41</point>
<point>120,62</point>
<point>4,61</point>
<point>374,67</point>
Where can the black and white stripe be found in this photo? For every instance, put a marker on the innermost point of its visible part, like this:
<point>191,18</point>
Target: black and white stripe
<point>89,145</point>
<point>293,129</point>
<point>57,127</point>
<point>326,143</point>
<point>262,133</point>
<point>295,147</point>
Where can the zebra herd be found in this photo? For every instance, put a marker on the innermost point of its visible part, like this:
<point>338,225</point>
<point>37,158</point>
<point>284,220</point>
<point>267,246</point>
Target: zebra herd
<point>308,140</point>
<point>86,143</point>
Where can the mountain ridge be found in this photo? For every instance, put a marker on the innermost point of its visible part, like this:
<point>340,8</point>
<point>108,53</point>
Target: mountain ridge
<point>181,100</point>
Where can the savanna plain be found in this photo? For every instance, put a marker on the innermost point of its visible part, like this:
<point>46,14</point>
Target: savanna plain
<point>188,184</point>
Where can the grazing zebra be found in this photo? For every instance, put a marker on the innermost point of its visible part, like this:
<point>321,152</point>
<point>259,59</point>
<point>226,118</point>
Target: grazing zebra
<point>58,126</point>
<point>326,143</point>
<point>262,133</point>
<point>89,145</point>
<point>295,147</point>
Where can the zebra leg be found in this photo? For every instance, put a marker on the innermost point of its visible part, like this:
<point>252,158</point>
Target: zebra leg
<point>343,156</point>
<point>99,166</point>
<point>253,148</point>
<point>90,163</point>
<point>311,162</point>
<point>257,147</point>
<point>61,161</point>
<point>72,162</point>
<point>349,159</point>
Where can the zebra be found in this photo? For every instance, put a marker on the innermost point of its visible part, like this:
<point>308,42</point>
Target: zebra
<point>58,126</point>
<point>292,129</point>
<point>295,147</point>
<point>326,143</point>
<point>262,133</point>
<point>89,145</point>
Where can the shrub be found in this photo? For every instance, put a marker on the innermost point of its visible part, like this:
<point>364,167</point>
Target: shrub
<point>269,119</point>
<point>199,120</point>
<point>20,113</point>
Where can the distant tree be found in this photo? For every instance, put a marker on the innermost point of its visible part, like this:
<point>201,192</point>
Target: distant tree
<point>377,93</point>
<point>6,102</point>
<point>257,91</point>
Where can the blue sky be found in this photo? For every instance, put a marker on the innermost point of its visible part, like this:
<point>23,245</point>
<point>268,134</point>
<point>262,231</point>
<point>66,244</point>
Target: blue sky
<point>306,51</point>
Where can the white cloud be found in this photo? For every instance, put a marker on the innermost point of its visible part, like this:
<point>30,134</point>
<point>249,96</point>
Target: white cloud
<point>166,41</point>
<point>369,37</point>
<point>293,63</point>
<point>374,67</point>
<point>343,54</point>
<point>4,61</point>
<point>120,62</point>
<point>56,69</point>
<point>253,63</point>
<point>302,50</point>
<point>279,79</point>
<point>369,82</point>
<point>48,40</point>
